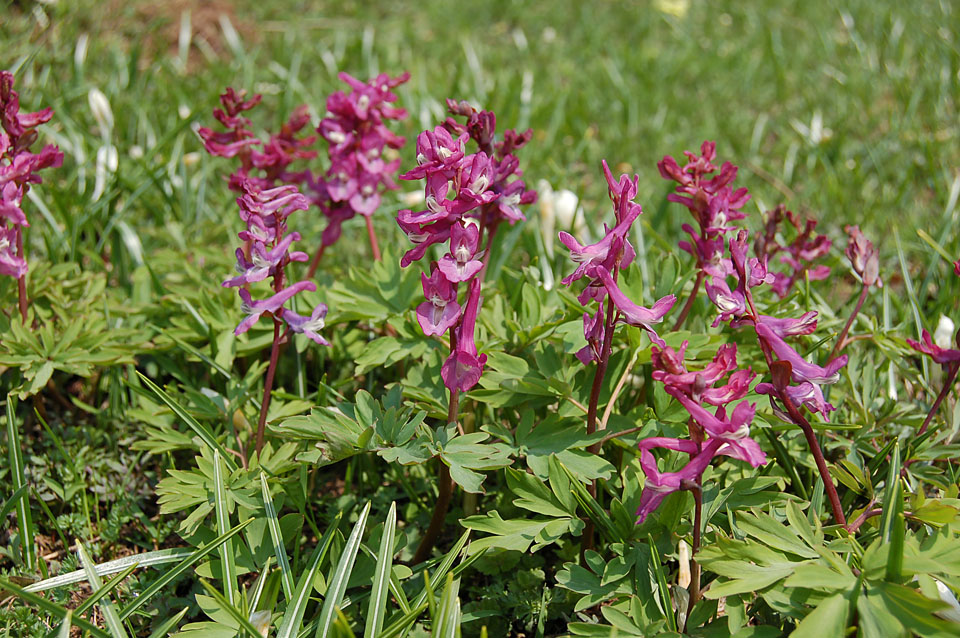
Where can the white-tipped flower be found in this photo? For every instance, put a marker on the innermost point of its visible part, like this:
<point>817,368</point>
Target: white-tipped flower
<point>943,335</point>
<point>102,113</point>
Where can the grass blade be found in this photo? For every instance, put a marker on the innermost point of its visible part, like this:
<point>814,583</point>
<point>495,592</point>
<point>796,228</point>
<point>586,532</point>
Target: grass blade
<point>447,624</point>
<point>51,608</point>
<point>445,564</point>
<point>227,564</point>
<point>167,625</point>
<point>381,581</point>
<point>662,585</point>
<point>108,587</point>
<point>286,575</point>
<point>228,607</point>
<point>24,521</point>
<point>892,501</point>
<point>337,583</point>
<point>205,435</point>
<point>146,559</point>
<point>107,607</point>
<point>290,625</point>
<point>161,582</point>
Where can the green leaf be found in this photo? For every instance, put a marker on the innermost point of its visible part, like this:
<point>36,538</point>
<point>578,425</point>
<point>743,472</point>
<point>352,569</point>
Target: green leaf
<point>51,608</point>
<point>827,620</point>
<point>293,616</point>
<point>286,574</point>
<point>224,604</point>
<point>24,520</point>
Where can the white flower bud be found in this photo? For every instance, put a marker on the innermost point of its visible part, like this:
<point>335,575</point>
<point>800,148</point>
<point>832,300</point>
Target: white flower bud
<point>102,113</point>
<point>943,335</point>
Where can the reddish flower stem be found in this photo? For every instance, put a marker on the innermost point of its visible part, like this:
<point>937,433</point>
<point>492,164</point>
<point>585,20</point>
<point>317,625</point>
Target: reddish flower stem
<point>841,339</point>
<point>694,589</point>
<point>444,487</point>
<point>947,385</point>
<point>804,425</point>
<point>268,384</point>
<point>315,263</point>
<point>374,246</point>
<point>601,371</point>
<point>808,433</point>
<point>687,306</point>
<point>22,280</point>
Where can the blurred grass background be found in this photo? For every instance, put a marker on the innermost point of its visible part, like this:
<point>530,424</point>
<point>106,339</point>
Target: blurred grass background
<point>848,114</point>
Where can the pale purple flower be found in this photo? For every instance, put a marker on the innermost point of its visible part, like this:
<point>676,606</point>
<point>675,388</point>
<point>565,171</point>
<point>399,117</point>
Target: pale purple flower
<point>807,394</point>
<point>309,326</point>
<point>10,263</point>
<point>589,258</point>
<point>254,309</point>
<point>802,369</point>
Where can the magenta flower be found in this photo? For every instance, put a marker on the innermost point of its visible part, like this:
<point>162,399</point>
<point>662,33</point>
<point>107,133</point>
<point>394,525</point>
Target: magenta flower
<point>591,257</point>
<point>807,394</point>
<point>802,369</point>
<point>798,255</point>
<point>18,170</point>
<point>593,331</point>
<point>943,356</point>
<point>659,485</point>
<point>864,258</point>
<point>459,264</point>
<point>462,369</point>
<point>733,431</point>
<point>634,315</point>
<point>440,311</point>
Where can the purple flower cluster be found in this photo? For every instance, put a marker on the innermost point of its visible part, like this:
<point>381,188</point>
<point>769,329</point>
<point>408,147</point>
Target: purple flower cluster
<point>601,263</point>
<point>18,169</point>
<point>798,255</point>
<point>265,168</point>
<point>356,132</point>
<point>265,211</point>
<point>465,195</point>
<point>712,433</point>
<point>711,200</point>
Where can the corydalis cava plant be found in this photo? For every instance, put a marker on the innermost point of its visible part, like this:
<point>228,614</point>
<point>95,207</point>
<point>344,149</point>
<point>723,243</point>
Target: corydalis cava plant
<point>600,263</point>
<point>795,382</point>
<point>18,170</point>
<point>467,196</point>
<point>355,128</point>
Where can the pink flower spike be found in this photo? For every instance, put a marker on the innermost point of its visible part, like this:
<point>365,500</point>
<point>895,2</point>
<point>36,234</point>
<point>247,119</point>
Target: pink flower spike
<point>942,356</point>
<point>733,432</point>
